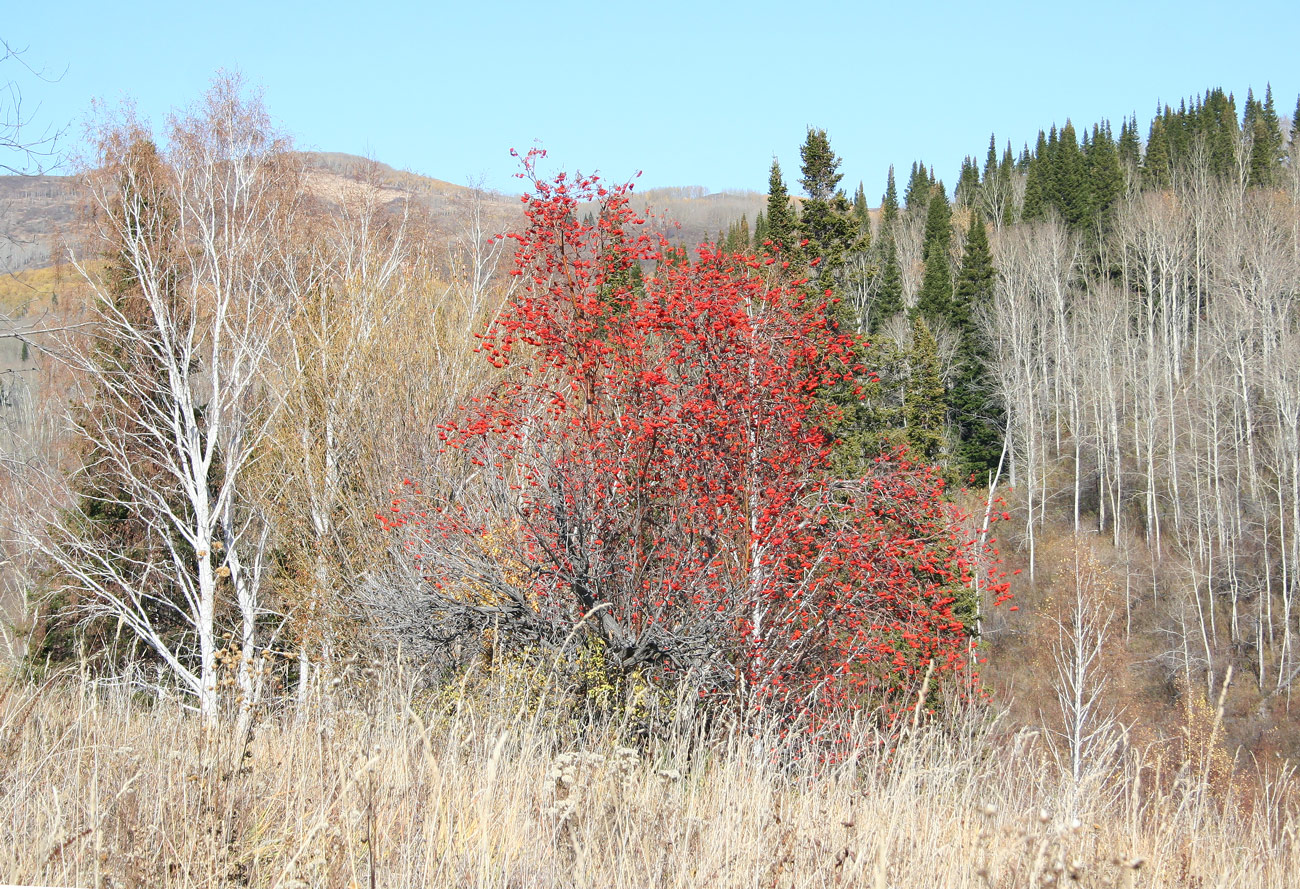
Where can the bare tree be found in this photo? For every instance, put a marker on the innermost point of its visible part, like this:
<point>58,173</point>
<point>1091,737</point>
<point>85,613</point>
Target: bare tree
<point>348,272</point>
<point>173,384</point>
<point>1088,726</point>
<point>24,147</point>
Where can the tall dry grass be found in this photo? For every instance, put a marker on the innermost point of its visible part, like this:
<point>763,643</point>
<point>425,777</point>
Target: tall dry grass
<point>383,784</point>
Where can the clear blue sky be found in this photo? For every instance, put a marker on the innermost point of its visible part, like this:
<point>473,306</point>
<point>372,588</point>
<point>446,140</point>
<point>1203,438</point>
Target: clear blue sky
<point>701,93</point>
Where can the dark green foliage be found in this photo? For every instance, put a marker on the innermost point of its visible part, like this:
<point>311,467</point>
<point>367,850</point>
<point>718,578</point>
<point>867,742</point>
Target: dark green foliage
<point>826,220</point>
<point>938,223</point>
<point>1105,176</point>
<point>1069,179</point>
<point>1293,147</point>
<point>1036,186</point>
<point>760,230</point>
<point>1129,149</point>
<point>889,295</point>
<point>738,236</point>
<point>976,418</point>
<point>991,159</point>
<point>105,516</point>
<point>1156,162</point>
<point>968,184</point>
<point>1007,169</point>
<point>889,201</point>
<point>974,289</point>
<point>919,185</point>
<point>1217,124</point>
<point>820,167</point>
<point>925,405</point>
<point>781,230</point>
<point>934,302</point>
<point>862,217</point>
<point>1266,150</point>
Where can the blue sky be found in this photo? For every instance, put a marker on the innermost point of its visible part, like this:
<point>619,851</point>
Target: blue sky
<point>701,93</point>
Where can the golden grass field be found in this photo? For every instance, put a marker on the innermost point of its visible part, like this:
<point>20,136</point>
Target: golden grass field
<point>395,787</point>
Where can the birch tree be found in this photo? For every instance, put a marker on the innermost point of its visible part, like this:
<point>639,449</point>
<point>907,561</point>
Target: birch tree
<point>175,409</point>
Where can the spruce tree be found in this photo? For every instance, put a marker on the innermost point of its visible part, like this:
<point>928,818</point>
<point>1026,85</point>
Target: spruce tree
<point>991,160</point>
<point>1266,139</point>
<point>1036,176</point>
<point>976,418</point>
<point>934,302</point>
<point>938,223</point>
<point>889,201</point>
<point>862,217</point>
<point>760,231</point>
<point>826,220</point>
<point>780,216</point>
<point>889,295</point>
<point>106,515</point>
<point>919,186</point>
<point>1070,188</point>
<point>1129,149</point>
<point>1105,175</point>
<point>925,401</point>
<point>968,184</point>
<point>1293,146</point>
<point>1213,121</point>
<point>1156,162</point>
<point>1007,169</point>
<point>820,167</point>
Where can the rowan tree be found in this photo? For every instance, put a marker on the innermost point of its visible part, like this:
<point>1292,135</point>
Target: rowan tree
<point>649,475</point>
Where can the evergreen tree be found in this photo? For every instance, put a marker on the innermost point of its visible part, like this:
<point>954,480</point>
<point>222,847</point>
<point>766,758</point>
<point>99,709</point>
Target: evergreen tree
<point>862,217</point>
<point>1266,139</point>
<point>991,160</point>
<point>1007,169</point>
<point>974,289</point>
<point>781,229</point>
<point>934,302</point>
<point>1105,176</point>
<point>1156,162</point>
<point>938,223</point>
<point>1036,184</point>
<point>1022,162</point>
<point>919,185</point>
<point>968,184</point>
<point>889,202</point>
<point>760,231</point>
<point>1293,147</point>
<point>975,417</point>
<point>1070,192</point>
<point>925,402</point>
<point>826,219</point>
<point>820,168</point>
<point>106,517</point>
<point>1129,149</point>
<point>889,295</point>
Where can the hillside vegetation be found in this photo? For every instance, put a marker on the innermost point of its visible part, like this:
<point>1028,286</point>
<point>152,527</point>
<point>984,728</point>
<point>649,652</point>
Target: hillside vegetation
<point>363,529</point>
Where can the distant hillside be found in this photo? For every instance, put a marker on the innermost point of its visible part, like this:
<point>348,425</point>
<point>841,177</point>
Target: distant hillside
<point>699,215</point>
<point>37,212</point>
<point>447,205</point>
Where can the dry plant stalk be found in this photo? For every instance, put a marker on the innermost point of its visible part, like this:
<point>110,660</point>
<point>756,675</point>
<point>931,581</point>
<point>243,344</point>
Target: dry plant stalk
<point>401,787</point>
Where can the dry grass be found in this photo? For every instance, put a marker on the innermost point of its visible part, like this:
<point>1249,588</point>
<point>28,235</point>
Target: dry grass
<point>396,787</point>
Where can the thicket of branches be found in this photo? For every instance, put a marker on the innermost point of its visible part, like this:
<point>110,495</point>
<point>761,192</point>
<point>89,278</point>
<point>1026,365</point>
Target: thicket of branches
<point>626,455</point>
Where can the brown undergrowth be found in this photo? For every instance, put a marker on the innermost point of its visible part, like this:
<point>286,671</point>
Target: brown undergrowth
<point>395,786</point>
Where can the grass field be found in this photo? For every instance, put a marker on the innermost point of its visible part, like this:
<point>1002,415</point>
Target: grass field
<point>396,787</point>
